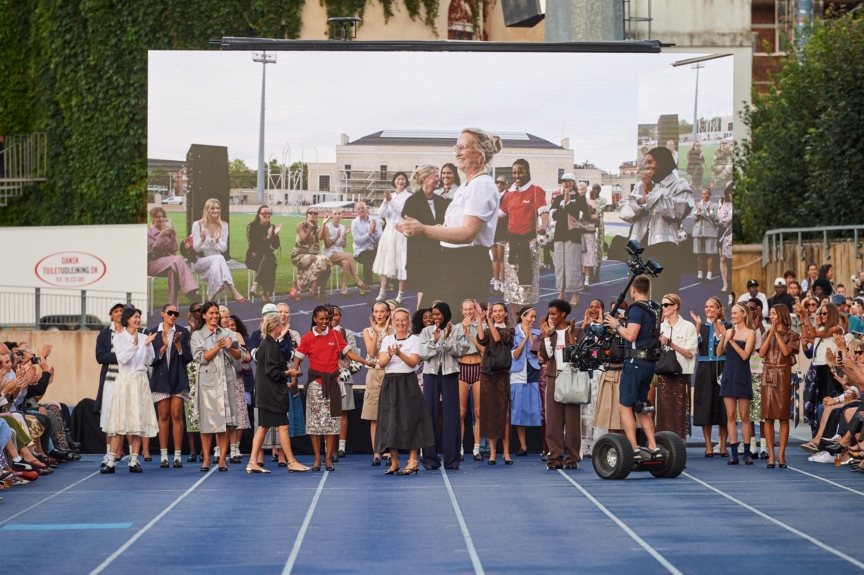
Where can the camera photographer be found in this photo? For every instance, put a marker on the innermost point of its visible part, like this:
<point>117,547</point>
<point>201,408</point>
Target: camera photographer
<point>640,360</point>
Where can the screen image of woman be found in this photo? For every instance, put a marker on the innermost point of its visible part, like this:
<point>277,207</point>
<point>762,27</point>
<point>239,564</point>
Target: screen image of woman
<point>210,241</point>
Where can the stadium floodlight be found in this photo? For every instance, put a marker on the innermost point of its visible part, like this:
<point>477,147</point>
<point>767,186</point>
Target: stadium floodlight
<point>264,58</point>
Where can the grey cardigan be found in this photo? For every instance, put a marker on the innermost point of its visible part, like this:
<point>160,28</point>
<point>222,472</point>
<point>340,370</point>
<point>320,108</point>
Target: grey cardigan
<point>444,354</point>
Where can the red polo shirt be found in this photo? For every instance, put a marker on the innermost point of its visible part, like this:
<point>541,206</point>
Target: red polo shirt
<point>322,350</point>
<point>522,207</point>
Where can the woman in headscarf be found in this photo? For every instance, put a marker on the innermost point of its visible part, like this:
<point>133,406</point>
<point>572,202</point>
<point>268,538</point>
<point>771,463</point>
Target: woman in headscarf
<point>440,350</point>
<point>659,202</point>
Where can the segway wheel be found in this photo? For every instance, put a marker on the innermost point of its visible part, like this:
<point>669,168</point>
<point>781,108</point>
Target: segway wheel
<point>676,455</point>
<point>612,456</point>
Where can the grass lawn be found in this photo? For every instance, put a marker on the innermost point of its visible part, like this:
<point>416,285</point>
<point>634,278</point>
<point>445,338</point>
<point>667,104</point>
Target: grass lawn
<point>238,244</point>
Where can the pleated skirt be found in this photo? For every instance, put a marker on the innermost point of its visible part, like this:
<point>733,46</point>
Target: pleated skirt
<point>525,404</point>
<point>403,419</point>
<point>131,410</point>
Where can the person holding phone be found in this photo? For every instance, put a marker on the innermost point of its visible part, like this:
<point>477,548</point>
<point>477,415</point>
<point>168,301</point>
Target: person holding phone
<point>130,412</point>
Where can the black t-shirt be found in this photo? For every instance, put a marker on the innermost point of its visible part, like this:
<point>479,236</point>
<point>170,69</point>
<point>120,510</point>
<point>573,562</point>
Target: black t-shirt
<point>635,314</point>
<point>785,299</point>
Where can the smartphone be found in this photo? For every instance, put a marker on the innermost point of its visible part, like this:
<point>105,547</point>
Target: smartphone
<point>35,359</point>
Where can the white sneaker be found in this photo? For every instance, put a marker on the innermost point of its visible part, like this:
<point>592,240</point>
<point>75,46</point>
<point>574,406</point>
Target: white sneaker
<point>716,448</point>
<point>699,275</point>
<point>823,457</point>
<point>709,277</point>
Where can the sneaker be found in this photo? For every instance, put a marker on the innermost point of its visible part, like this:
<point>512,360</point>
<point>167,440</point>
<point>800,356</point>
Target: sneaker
<point>716,448</point>
<point>709,277</point>
<point>699,275</point>
<point>822,457</point>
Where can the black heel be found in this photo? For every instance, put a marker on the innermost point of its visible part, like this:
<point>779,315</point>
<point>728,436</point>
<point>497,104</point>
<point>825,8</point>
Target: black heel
<point>410,470</point>
<point>391,471</point>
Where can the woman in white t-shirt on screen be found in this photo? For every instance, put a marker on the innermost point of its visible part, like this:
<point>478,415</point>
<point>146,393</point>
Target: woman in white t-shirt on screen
<point>469,224</point>
<point>403,420</point>
<point>335,237</point>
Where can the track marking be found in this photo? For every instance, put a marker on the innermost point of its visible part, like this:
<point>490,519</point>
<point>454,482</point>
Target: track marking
<point>472,552</point>
<point>779,523</point>
<point>147,527</point>
<point>10,518</point>
<point>653,552</point>
<point>828,481</point>
<point>289,565</point>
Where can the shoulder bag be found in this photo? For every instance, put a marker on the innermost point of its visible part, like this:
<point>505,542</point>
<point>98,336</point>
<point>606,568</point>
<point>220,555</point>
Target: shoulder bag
<point>572,387</point>
<point>497,358</point>
<point>668,364</point>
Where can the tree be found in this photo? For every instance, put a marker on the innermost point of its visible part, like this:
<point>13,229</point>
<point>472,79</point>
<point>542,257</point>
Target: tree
<point>684,127</point>
<point>241,175</point>
<point>804,162</point>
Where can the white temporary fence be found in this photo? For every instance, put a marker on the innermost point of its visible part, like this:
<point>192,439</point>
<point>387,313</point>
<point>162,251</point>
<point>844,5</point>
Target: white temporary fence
<point>64,309</point>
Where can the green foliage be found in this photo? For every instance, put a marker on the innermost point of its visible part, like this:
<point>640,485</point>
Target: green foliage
<point>77,69</point>
<point>804,162</point>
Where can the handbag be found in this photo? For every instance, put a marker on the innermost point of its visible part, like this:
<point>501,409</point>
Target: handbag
<point>187,250</point>
<point>572,387</point>
<point>668,364</point>
<point>497,358</point>
<point>252,259</point>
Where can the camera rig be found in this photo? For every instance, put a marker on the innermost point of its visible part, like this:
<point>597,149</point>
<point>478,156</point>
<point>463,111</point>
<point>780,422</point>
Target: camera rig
<point>595,349</point>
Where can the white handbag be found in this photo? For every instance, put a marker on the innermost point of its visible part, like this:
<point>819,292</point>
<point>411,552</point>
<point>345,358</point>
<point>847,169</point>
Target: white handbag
<point>572,387</point>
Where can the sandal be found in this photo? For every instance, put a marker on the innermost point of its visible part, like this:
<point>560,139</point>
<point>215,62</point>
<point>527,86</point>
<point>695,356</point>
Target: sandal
<point>253,291</point>
<point>303,467</point>
<point>810,447</point>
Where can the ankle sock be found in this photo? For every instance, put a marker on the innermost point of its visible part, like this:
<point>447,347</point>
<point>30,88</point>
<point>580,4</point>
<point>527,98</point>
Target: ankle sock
<point>342,444</point>
<point>382,294</point>
<point>108,449</point>
<point>398,295</point>
<point>111,459</point>
<point>178,456</point>
<point>163,454</point>
<point>133,459</point>
<point>733,451</point>
<point>217,453</point>
<point>17,459</point>
<point>235,449</point>
<point>763,444</point>
<point>476,448</point>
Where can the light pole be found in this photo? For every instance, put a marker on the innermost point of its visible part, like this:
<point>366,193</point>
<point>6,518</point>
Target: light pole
<point>264,58</point>
<point>696,66</point>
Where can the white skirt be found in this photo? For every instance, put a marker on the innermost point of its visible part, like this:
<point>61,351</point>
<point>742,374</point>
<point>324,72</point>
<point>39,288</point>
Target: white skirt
<point>392,254</point>
<point>131,409</point>
<point>107,393</point>
<point>215,273</point>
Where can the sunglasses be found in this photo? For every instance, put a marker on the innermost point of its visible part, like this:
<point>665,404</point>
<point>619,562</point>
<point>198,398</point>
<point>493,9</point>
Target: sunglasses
<point>859,351</point>
<point>173,313</point>
<point>668,305</point>
<point>311,213</point>
<point>823,313</point>
<point>812,305</point>
<point>196,310</point>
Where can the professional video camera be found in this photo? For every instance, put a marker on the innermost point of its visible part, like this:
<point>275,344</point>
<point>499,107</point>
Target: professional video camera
<point>596,348</point>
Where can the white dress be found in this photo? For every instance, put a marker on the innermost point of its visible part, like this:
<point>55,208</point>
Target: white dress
<point>393,247</point>
<point>211,264</point>
<point>131,410</point>
<point>337,244</point>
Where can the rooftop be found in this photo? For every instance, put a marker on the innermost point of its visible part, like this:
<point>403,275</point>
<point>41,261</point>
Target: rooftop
<point>447,138</point>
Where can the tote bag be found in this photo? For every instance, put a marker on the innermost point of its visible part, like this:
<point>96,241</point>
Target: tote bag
<point>572,387</point>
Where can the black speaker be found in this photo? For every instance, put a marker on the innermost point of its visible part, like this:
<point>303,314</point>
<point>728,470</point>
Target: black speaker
<point>207,171</point>
<point>522,13</point>
<point>667,129</point>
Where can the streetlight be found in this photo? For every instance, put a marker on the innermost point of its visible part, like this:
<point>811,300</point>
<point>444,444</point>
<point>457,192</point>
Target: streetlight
<point>697,64</point>
<point>264,58</point>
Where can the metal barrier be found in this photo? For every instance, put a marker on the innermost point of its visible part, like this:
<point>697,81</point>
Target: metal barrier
<point>23,162</point>
<point>58,309</point>
<point>773,246</point>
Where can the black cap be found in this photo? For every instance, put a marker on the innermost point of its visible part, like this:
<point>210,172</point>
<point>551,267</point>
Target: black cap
<point>752,283</point>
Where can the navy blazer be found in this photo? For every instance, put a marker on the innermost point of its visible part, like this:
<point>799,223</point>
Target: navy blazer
<point>106,357</point>
<point>171,378</point>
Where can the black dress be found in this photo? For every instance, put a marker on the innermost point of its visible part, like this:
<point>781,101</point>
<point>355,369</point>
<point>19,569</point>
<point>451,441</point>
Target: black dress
<point>422,265</point>
<point>736,380</point>
<point>708,408</point>
<point>271,385</point>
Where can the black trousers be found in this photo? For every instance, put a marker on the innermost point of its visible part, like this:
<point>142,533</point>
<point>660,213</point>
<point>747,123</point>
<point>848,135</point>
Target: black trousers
<point>266,273</point>
<point>448,432</point>
<point>367,258</point>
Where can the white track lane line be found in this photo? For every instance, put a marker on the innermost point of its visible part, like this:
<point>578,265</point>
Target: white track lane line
<point>147,527</point>
<point>660,559</point>
<point>469,543</point>
<point>861,493</point>
<point>8,519</point>
<point>289,565</point>
<point>779,523</point>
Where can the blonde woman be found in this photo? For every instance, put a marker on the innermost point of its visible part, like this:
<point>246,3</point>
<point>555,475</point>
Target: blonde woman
<point>736,382</point>
<point>427,207</point>
<point>335,237</point>
<point>708,407</point>
<point>469,371</point>
<point>393,247</point>
<point>673,391</point>
<point>373,336</point>
<point>210,241</point>
<point>469,222</point>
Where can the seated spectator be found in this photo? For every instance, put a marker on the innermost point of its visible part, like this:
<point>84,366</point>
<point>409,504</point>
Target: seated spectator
<point>162,258</point>
<point>263,239</point>
<point>335,237</point>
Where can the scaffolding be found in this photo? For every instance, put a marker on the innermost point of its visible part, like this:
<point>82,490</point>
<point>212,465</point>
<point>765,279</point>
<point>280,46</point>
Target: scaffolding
<point>23,163</point>
<point>631,21</point>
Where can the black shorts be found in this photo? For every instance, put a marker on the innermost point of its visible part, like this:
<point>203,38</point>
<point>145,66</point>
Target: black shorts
<point>636,379</point>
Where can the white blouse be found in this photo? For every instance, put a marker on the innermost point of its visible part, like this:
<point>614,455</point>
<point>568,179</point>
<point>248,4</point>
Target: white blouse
<point>132,358</point>
<point>409,345</point>
<point>478,198</point>
<point>684,336</point>
<point>392,211</point>
<point>210,246</point>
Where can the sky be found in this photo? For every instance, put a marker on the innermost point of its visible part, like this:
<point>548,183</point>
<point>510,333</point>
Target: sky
<point>595,100</point>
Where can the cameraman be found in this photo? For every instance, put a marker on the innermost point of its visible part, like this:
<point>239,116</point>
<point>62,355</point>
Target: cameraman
<point>637,373</point>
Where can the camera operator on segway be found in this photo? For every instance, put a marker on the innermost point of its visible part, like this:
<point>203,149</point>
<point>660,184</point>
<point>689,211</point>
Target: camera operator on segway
<point>640,357</point>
